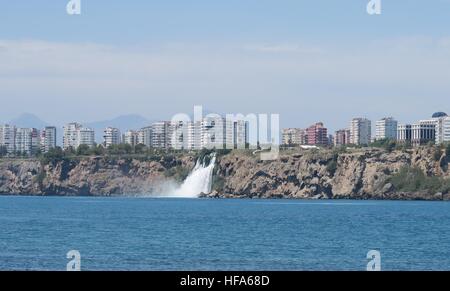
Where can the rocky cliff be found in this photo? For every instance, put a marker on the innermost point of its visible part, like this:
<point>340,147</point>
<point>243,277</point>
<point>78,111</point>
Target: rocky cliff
<point>91,176</point>
<point>323,174</point>
<point>355,174</point>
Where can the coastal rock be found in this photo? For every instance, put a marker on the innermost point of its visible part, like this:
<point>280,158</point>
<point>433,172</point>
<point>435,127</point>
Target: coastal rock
<point>297,174</point>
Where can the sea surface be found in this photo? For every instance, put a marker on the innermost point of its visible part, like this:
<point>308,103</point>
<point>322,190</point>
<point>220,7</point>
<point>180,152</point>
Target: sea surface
<point>199,234</point>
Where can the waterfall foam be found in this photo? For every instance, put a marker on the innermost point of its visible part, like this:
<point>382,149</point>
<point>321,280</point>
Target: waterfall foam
<point>199,180</point>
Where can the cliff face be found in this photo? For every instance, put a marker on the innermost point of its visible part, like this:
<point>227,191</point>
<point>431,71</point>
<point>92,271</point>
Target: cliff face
<point>358,174</point>
<point>89,176</point>
<point>361,174</point>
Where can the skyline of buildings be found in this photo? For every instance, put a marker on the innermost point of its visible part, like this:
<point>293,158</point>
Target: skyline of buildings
<point>435,130</point>
<point>27,141</point>
<point>219,132</point>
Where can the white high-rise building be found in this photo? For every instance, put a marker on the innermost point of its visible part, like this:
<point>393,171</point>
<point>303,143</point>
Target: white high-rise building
<point>213,132</point>
<point>236,134</point>
<point>48,138</point>
<point>180,132</point>
<point>86,136</point>
<point>145,136</point>
<point>210,132</point>
<point>446,130</point>
<point>386,128</point>
<point>70,135</point>
<point>8,138</point>
<point>111,137</point>
<point>75,135</point>
<point>442,120</point>
<point>27,141</point>
<point>360,131</point>
<point>131,137</point>
<point>161,134</point>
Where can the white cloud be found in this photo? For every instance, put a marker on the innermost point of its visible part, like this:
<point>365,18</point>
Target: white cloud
<point>282,48</point>
<point>42,76</point>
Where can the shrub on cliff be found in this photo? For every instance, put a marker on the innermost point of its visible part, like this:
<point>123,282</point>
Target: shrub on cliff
<point>437,154</point>
<point>218,183</point>
<point>410,179</point>
<point>178,173</point>
<point>53,155</point>
<point>387,144</point>
<point>3,151</point>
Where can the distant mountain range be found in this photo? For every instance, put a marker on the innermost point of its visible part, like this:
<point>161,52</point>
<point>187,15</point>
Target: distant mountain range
<point>28,120</point>
<point>123,122</point>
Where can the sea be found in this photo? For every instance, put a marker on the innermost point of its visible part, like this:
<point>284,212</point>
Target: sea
<point>133,233</point>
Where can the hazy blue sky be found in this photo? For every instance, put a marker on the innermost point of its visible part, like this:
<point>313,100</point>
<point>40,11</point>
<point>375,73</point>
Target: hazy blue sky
<point>318,60</point>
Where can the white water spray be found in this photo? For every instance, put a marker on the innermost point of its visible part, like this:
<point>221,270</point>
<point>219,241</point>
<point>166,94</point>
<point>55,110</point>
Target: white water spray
<point>199,180</point>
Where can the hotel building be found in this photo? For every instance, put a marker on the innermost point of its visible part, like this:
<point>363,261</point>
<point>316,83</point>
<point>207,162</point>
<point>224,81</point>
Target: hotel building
<point>420,133</point>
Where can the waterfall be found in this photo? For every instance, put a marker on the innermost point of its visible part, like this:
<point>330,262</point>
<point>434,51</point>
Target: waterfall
<point>199,180</point>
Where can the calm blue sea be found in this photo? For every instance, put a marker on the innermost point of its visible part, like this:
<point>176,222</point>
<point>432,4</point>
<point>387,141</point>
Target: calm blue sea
<point>196,234</point>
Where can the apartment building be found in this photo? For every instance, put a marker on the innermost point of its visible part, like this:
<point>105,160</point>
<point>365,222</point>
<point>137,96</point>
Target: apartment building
<point>75,135</point>
<point>131,137</point>
<point>360,131</point>
<point>86,136</point>
<point>7,138</point>
<point>161,135</point>
<point>317,134</point>
<point>342,137</point>
<point>48,138</point>
<point>293,136</point>
<point>111,136</point>
<point>442,121</point>
<point>386,128</point>
<point>145,136</point>
<point>27,141</point>
<point>236,133</point>
<point>213,132</point>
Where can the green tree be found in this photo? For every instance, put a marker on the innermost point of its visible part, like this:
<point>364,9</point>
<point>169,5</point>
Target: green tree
<point>140,149</point>
<point>3,151</point>
<point>98,150</point>
<point>53,155</point>
<point>447,151</point>
<point>83,150</point>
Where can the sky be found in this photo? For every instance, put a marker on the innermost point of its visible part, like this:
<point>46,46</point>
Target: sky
<point>309,61</point>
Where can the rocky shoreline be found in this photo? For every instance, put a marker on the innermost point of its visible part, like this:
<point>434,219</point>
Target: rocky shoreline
<point>298,174</point>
